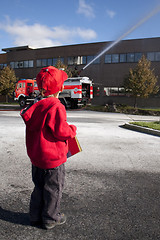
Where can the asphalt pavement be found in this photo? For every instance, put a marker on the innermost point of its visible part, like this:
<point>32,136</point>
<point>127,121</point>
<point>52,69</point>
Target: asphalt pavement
<point>112,187</point>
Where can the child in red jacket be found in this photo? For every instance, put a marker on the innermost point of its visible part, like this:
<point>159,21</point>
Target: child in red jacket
<point>47,132</point>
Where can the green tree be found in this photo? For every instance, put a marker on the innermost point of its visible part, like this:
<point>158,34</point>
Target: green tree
<point>62,66</point>
<point>7,81</point>
<point>141,81</point>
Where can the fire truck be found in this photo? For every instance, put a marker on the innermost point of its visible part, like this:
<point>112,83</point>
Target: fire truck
<point>25,91</point>
<point>77,91</point>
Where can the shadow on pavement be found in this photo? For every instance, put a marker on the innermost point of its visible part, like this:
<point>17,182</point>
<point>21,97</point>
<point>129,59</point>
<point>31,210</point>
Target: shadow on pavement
<point>14,217</point>
<point>119,205</point>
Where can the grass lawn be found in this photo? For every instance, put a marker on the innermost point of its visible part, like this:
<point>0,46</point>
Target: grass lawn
<point>124,109</point>
<point>153,125</point>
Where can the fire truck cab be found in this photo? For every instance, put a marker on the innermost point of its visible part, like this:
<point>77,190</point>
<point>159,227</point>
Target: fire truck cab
<point>26,90</point>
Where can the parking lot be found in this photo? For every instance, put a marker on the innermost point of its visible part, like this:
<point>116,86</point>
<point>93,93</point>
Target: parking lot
<point>112,187</point>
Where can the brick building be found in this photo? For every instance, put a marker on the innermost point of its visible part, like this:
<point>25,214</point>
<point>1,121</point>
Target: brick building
<point>107,72</point>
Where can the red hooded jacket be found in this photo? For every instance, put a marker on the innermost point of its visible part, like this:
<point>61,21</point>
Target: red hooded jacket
<point>47,132</point>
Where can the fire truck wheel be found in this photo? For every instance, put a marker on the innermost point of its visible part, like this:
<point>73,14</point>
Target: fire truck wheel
<point>22,102</point>
<point>63,102</point>
<point>74,104</point>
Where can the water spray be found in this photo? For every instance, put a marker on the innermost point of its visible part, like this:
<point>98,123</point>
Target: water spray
<point>143,20</point>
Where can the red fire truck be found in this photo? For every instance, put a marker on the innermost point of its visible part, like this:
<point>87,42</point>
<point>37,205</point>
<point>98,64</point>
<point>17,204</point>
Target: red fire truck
<point>26,90</point>
<point>77,91</point>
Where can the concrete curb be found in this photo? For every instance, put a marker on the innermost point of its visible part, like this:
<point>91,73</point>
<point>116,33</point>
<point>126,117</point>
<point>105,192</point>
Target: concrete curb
<point>8,107</point>
<point>141,129</point>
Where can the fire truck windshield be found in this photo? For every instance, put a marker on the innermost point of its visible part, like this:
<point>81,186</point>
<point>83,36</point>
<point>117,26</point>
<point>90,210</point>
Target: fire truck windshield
<point>35,84</point>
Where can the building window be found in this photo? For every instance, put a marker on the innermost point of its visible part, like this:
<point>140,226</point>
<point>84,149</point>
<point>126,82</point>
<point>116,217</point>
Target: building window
<point>20,64</point>
<point>1,65</point>
<point>90,58</point>
<point>123,57</point>
<point>70,60</point>
<point>55,60</point>
<point>30,63</point>
<point>130,57</point>
<point>61,59</point>
<point>157,56</point>
<point>39,63</point>
<point>108,58</point>
<point>84,60</point>
<point>49,62</point>
<point>97,61</point>
<point>79,60</point>
<point>115,58</point>
<point>114,91</point>
<point>25,64</point>
<point>76,60</point>
<point>44,62</point>
<point>138,56</point>
<point>16,65</point>
<point>150,56</point>
<point>153,56</point>
<point>11,64</point>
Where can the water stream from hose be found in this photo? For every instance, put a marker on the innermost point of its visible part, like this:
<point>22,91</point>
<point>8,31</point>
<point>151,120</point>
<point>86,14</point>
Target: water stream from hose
<point>143,20</point>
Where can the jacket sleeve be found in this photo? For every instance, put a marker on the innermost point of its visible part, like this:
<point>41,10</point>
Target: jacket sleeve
<point>59,126</point>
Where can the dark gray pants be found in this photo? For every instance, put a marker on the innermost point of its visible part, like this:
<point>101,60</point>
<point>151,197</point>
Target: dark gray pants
<point>47,193</point>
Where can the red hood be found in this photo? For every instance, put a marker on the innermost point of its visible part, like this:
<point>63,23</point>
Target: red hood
<point>34,116</point>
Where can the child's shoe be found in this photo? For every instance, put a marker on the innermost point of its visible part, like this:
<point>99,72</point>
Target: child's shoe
<point>51,225</point>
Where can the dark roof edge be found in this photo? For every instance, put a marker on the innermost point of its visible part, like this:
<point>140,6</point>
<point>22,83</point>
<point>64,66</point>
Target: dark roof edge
<point>20,48</point>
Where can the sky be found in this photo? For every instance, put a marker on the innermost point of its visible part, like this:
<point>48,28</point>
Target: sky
<point>49,23</point>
